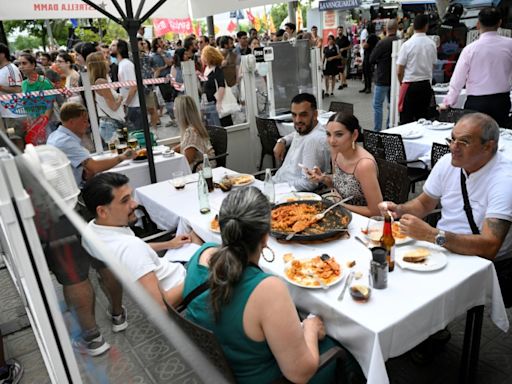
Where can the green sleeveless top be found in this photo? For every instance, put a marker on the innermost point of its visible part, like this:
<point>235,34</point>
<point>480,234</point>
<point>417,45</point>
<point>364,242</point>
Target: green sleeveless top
<point>252,361</point>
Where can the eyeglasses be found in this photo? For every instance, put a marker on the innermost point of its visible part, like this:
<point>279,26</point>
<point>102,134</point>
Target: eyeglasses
<point>464,143</point>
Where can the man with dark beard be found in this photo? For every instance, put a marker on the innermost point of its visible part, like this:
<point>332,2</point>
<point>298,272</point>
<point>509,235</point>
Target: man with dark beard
<point>109,197</point>
<point>306,146</point>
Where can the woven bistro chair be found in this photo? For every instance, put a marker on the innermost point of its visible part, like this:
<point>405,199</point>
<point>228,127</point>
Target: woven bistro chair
<point>340,106</point>
<point>206,341</point>
<point>452,115</point>
<point>269,134</point>
<point>219,139</point>
<point>393,181</point>
<point>390,147</point>
<point>437,151</point>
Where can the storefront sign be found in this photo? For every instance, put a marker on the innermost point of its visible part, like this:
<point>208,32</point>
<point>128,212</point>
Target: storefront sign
<point>163,26</point>
<point>329,19</point>
<point>338,4</point>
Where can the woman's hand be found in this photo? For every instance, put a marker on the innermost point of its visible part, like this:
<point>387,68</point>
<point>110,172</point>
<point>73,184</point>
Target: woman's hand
<point>315,325</point>
<point>315,174</point>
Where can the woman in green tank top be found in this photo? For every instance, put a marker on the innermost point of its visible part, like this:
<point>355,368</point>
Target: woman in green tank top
<point>251,312</point>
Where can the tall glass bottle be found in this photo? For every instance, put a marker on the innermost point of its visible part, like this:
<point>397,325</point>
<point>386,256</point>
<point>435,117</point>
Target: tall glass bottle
<point>202,193</point>
<point>268,187</point>
<point>387,241</point>
<point>207,172</point>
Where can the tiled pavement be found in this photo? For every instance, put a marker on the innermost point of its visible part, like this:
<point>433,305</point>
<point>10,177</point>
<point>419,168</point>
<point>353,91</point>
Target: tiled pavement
<point>140,354</point>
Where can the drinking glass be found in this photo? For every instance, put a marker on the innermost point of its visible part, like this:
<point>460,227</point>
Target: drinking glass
<point>374,229</point>
<point>133,143</point>
<point>178,180</point>
<point>121,148</point>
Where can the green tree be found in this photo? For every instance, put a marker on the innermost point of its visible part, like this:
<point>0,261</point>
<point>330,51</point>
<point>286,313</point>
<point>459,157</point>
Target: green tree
<point>278,13</point>
<point>25,42</point>
<point>37,29</point>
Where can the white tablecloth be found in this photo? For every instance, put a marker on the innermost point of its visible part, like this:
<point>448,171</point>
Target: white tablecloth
<point>421,147</point>
<point>138,172</point>
<point>460,100</point>
<point>414,306</point>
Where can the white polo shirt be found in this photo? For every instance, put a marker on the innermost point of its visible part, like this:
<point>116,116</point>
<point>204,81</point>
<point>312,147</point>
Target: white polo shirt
<point>137,256</point>
<point>488,191</point>
<point>10,76</point>
<point>418,55</point>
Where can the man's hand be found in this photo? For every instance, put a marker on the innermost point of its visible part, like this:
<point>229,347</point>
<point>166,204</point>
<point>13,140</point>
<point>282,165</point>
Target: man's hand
<point>416,228</point>
<point>442,107</point>
<point>279,151</point>
<point>128,154</point>
<point>389,206</point>
<point>179,241</point>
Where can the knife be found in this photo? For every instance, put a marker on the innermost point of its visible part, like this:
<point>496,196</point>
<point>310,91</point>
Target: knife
<point>350,277</point>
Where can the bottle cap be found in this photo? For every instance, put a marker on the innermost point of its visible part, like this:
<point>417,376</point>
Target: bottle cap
<point>378,254</point>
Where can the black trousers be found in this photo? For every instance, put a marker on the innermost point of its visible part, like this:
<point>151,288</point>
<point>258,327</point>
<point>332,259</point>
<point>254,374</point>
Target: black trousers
<point>497,106</point>
<point>504,272</point>
<point>417,102</point>
<point>367,73</point>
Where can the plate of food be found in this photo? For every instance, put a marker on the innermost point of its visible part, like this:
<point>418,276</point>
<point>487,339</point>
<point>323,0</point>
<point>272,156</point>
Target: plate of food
<point>214,224</point>
<point>297,196</point>
<point>374,234</point>
<point>316,272</point>
<point>241,180</point>
<point>142,155</point>
<point>298,218</point>
<point>420,259</point>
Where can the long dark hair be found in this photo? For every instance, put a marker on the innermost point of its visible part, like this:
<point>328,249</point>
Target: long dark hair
<point>349,121</point>
<point>244,219</point>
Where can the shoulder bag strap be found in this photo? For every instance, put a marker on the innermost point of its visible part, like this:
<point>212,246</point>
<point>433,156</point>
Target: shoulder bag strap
<point>191,296</point>
<point>467,205</point>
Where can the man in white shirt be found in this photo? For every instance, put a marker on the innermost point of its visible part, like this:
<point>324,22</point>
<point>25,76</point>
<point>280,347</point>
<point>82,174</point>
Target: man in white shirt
<point>307,146</point>
<point>126,72</point>
<point>415,64</point>
<point>10,82</point>
<point>109,197</point>
<point>482,226</point>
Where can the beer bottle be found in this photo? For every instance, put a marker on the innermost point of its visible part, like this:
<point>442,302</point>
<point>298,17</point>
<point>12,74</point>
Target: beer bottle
<point>387,241</point>
<point>202,192</point>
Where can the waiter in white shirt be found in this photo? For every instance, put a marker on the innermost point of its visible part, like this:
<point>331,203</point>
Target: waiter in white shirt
<point>415,64</point>
<point>307,146</point>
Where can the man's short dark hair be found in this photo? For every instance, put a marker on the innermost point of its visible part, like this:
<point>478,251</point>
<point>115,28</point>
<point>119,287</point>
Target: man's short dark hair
<point>302,97</point>
<point>85,49</point>
<point>5,50</point>
<point>154,44</point>
<point>241,34</point>
<point>47,55</point>
<point>253,29</point>
<point>122,48</point>
<point>99,189</point>
<point>280,32</point>
<point>489,17</point>
<point>223,41</point>
<point>292,26</point>
<point>189,42</point>
<point>420,22</point>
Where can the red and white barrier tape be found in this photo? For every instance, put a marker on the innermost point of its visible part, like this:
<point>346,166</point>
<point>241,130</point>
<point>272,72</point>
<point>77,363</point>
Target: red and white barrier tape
<point>69,91</point>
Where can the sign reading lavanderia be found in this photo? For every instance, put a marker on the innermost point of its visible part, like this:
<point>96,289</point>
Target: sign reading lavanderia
<point>338,4</point>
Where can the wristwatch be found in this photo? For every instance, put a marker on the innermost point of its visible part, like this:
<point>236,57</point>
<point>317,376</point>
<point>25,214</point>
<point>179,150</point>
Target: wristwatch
<point>440,238</point>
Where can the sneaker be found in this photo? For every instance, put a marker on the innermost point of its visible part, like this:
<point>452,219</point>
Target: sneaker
<point>345,85</point>
<point>170,124</point>
<point>120,322</point>
<point>93,347</point>
<point>340,87</point>
<point>15,371</point>
<point>362,90</point>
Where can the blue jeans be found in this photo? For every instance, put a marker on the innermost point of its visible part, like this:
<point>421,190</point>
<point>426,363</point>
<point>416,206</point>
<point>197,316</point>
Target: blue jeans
<point>380,93</point>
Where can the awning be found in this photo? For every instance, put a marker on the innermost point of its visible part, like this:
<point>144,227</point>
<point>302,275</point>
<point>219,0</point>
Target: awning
<point>73,9</point>
<point>338,5</point>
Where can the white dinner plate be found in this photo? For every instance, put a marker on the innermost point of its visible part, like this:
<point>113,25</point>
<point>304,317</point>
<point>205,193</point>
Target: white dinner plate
<point>439,126</point>
<point>435,261</point>
<point>234,178</point>
<point>298,284</point>
<point>297,196</point>
<point>412,134</point>
<point>377,236</point>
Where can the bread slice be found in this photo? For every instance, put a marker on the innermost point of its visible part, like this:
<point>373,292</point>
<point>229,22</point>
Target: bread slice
<point>417,255</point>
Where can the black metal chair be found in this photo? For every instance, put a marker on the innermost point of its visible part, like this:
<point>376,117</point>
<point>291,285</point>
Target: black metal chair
<point>340,106</point>
<point>437,151</point>
<point>209,345</point>
<point>269,134</point>
<point>393,181</point>
<point>390,147</point>
<point>219,140</point>
<point>452,115</point>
